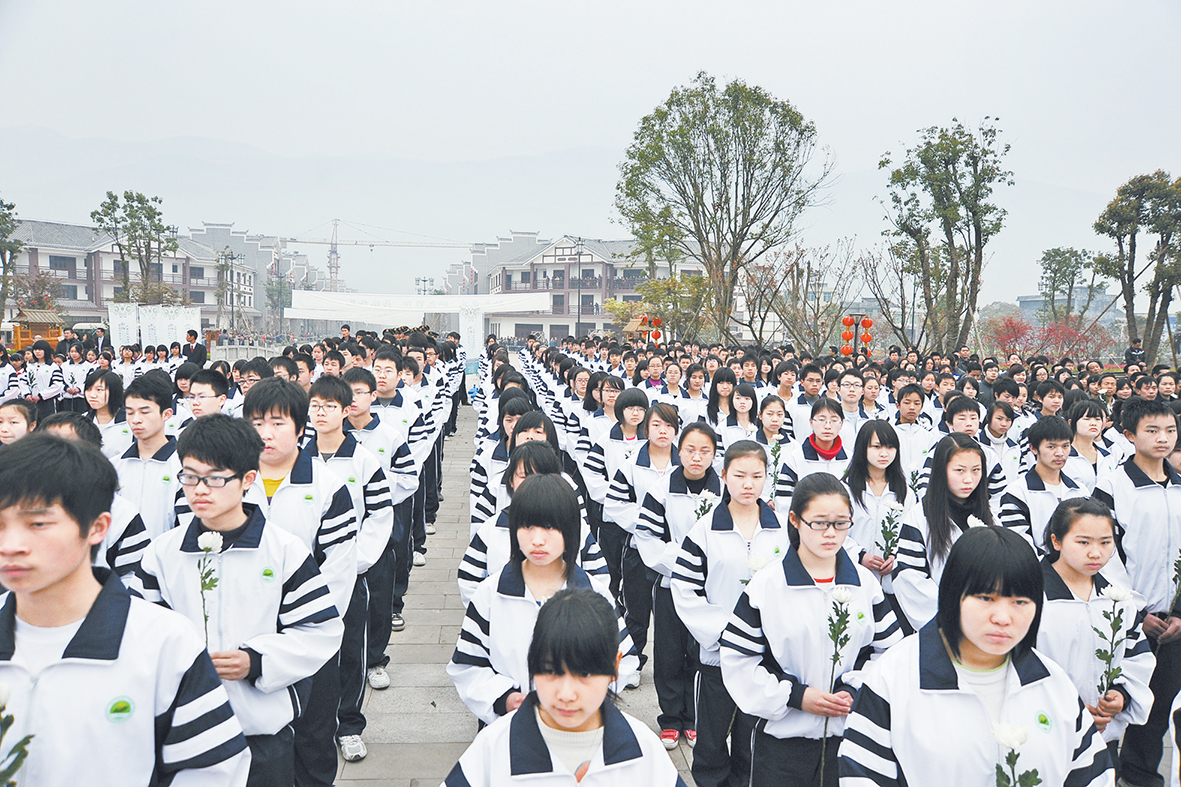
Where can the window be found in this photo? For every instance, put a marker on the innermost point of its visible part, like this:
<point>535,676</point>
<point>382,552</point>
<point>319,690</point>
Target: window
<point>559,300</point>
<point>197,296</point>
<point>632,298</point>
<point>174,270</point>
<point>68,291</point>
<point>62,263</point>
<point>194,273</point>
<point>524,277</point>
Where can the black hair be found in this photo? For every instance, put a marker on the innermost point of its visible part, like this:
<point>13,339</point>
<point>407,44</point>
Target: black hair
<point>535,419</point>
<point>547,501</point>
<point>959,404</point>
<point>114,384</point>
<point>824,403</point>
<point>512,402</point>
<point>723,375</point>
<point>28,410</point>
<point>92,478</point>
<point>741,448</point>
<point>577,631</point>
<point>332,389</point>
<point>665,412</point>
<point>1006,385</point>
<point>336,355</point>
<point>589,403</point>
<point>286,364</point>
<point>536,457</point>
<point>1048,386</point>
<point>1066,514</point>
<point>988,560</point>
<point>186,371</point>
<point>1086,408</point>
<point>700,427</point>
<point>632,397</point>
<point>213,378</point>
<point>359,375</point>
<point>857,475</point>
<point>1049,427</point>
<point>84,429</point>
<point>910,389</point>
<point>1135,409</point>
<point>151,388</point>
<point>808,489</point>
<point>937,502</point>
<point>274,395</point>
<point>260,366</point>
<point>221,441</point>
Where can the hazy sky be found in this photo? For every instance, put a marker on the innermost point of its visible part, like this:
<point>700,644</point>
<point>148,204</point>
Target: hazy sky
<point>1086,93</point>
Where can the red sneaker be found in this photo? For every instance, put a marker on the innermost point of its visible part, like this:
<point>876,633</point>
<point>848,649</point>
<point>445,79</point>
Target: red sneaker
<point>691,737</point>
<point>670,738</point>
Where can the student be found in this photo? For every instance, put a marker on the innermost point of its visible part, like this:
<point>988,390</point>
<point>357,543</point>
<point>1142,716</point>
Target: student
<point>18,418</point>
<point>104,396</point>
<point>799,408</point>
<point>490,547</point>
<point>47,380</point>
<point>667,513</point>
<point>803,696</point>
<point>1144,494</point>
<point>74,633</point>
<point>962,415</point>
<point>742,423</point>
<point>123,546</point>
<point>913,426</point>
<point>567,730</point>
<point>1031,499</point>
<point>850,388</point>
<point>716,559</point>
<point>490,459</point>
<point>928,708</point>
<point>956,492</point>
<point>266,638</point>
<point>1080,540</point>
<point>307,499</point>
<point>147,470</point>
<point>488,666</point>
<point>878,490</point>
<point>822,451</point>
<point>74,372</point>
<point>1089,458</point>
<point>208,389</point>
<point>720,405</point>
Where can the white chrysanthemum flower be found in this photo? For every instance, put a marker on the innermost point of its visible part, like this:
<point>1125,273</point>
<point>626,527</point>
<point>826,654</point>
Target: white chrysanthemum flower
<point>975,521</point>
<point>1116,593</point>
<point>210,542</point>
<point>1011,736</point>
<point>842,594</point>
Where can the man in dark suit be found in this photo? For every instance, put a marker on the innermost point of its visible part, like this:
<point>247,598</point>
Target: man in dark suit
<point>101,342</point>
<point>193,350</point>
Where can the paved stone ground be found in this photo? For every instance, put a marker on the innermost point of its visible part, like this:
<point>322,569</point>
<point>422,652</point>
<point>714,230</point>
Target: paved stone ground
<point>418,727</point>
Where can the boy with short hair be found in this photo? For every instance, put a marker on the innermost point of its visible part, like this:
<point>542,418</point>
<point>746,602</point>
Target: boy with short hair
<point>252,373</point>
<point>913,427</point>
<point>147,470</point>
<point>1050,394</point>
<point>962,414</point>
<point>334,361</point>
<point>1144,493</point>
<point>207,393</point>
<point>1031,499</point>
<point>125,691</point>
<point>18,418</point>
<point>269,621</point>
<point>304,497</point>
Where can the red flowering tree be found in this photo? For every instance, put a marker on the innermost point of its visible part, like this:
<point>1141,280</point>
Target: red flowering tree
<point>1010,334</point>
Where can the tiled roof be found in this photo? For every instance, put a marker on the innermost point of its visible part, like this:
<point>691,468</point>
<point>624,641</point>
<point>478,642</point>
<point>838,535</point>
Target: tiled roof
<point>57,235</point>
<point>196,250</point>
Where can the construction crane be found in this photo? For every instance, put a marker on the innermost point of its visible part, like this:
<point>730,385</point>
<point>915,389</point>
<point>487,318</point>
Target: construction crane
<point>334,254</point>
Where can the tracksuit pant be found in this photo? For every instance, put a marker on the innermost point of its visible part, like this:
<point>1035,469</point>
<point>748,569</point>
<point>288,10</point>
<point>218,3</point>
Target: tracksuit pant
<point>354,651</point>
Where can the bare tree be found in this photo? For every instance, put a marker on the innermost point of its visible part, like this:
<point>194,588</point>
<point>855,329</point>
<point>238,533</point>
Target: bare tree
<point>815,286</point>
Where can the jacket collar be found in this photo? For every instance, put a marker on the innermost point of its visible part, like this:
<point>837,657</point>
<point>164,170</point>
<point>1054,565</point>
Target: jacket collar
<point>937,673</point>
<point>101,632</point>
<point>811,454</point>
<point>678,485</point>
<point>798,576</point>
<point>723,521</point>
<point>162,455</point>
<point>512,581</point>
<point>529,754</point>
<point>369,427</point>
<point>346,450</point>
<point>250,538</point>
<point>1056,589</point>
<point>761,437</point>
<point>1139,479</point>
<point>1034,482</point>
<point>643,459</point>
<point>1099,449</point>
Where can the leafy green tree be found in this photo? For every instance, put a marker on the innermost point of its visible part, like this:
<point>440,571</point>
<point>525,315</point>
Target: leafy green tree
<point>943,216</point>
<point>720,175</point>
<point>10,247</point>
<point>140,234</point>
<point>1149,204</point>
<point>1065,270</point>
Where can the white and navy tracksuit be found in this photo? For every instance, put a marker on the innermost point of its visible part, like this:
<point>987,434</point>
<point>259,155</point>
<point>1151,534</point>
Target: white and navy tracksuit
<point>491,655</point>
<point>800,460</point>
<point>270,602</point>
<point>134,699</point>
<point>776,645</point>
<point>913,724</point>
<point>713,565</point>
<point>667,513</point>
<point>916,572</point>
<point>123,546</point>
<point>150,484</point>
<point>512,751</point>
<point>1086,474</point>
<point>1028,504</point>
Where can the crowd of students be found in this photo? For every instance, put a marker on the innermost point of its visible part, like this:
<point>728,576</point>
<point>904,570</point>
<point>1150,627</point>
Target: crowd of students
<point>276,507</point>
<point>909,571</point>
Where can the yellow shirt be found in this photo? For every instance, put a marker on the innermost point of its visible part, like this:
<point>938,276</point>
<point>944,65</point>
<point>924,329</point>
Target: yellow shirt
<point>271,484</point>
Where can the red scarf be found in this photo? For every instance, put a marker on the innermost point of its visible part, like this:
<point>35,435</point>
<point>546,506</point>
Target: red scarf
<point>831,453</point>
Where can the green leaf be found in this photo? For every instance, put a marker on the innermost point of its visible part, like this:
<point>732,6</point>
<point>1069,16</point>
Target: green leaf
<point>1002,778</point>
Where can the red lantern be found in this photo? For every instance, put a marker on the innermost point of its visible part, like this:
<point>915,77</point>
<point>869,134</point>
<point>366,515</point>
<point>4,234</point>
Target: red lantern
<point>656,334</point>
<point>866,338</point>
<point>848,321</point>
<point>847,335</point>
<point>656,321</point>
<point>846,350</point>
<point>868,353</point>
<point>866,323</point>
<point>643,319</point>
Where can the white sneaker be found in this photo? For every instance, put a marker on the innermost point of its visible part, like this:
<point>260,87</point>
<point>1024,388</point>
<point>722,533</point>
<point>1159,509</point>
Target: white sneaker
<point>419,559</point>
<point>633,682</point>
<point>430,529</point>
<point>378,678</point>
<point>352,748</point>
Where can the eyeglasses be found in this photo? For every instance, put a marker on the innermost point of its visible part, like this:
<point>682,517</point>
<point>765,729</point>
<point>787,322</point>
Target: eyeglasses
<point>827,421</point>
<point>211,481</point>
<point>198,397</point>
<point>851,385</point>
<point>702,453</point>
<point>324,408</point>
<point>820,527</point>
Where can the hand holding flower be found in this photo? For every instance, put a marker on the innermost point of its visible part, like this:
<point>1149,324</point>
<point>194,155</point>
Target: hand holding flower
<point>822,703</point>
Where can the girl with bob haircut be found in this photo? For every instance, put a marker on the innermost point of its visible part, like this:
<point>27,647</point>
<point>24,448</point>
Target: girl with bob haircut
<point>733,536</point>
<point>950,704</point>
<point>567,730</point>
<point>1080,540</point>
<point>821,451</point>
<point>1089,458</point>
<point>489,664</point>
<point>103,391</point>
<point>956,499</point>
<point>490,547</point>
<point>742,423</point>
<point>781,618</point>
